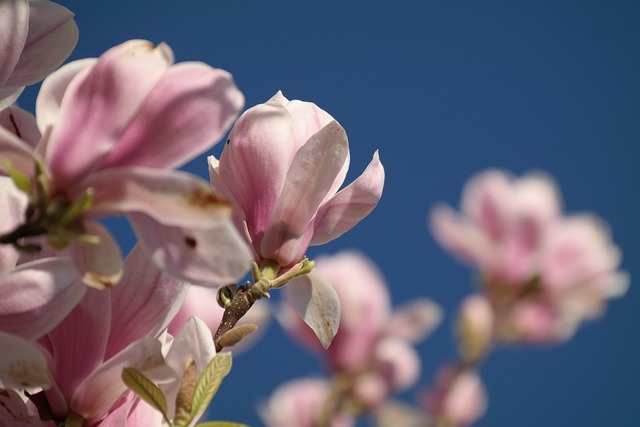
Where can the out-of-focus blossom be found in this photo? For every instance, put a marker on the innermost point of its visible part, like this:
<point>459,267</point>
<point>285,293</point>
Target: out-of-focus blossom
<point>35,38</point>
<point>457,398</point>
<point>201,302</point>
<point>373,342</point>
<point>112,128</point>
<point>302,403</point>
<point>281,168</point>
<point>105,332</point>
<point>542,272</point>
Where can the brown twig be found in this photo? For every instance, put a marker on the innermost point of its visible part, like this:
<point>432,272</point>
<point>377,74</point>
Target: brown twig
<point>242,301</point>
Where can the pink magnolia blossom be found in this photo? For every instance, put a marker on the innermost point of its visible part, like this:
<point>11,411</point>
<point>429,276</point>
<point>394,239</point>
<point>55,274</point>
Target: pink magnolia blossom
<point>373,342</point>
<point>106,331</point>
<point>35,38</point>
<point>501,225</point>
<point>457,398</point>
<point>282,167</point>
<point>543,273</point>
<point>114,127</point>
<point>300,403</point>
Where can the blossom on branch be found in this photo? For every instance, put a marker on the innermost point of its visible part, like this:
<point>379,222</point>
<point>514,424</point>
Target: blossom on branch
<point>542,272</point>
<point>281,168</point>
<point>373,349</point>
<point>111,130</point>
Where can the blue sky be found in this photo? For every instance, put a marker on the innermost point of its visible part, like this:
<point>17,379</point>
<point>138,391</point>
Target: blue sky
<point>443,89</point>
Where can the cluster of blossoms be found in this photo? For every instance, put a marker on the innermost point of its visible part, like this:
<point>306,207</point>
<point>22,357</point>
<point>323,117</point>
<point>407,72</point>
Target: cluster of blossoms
<point>90,339</point>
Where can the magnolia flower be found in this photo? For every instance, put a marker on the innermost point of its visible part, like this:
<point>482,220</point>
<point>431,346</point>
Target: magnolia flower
<point>281,168</point>
<point>35,38</point>
<point>457,399</point>
<point>104,333</point>
<point>112,128</point>
<point>300,403</point>
<point>543,273</point>
<point>373,343</point>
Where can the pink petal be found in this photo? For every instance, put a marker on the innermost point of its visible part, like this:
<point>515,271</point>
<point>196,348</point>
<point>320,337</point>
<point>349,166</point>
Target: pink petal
<point>486,201</point>
<point>17,152</point>
<point>350,205</point>
<point>53,89</point>
<point>456,234</point>
<point>317,303</point>
<point>15,413</point>
<point>188,111</point>
<point>298,403</point>
<point>170,197</point>
<point>415,320</point>
<point>22,365</point>
<point>398,362</point>
<point>9,95</point>
<point>14,203</point>
<point>99,265</point>
<point>208,256</point>
<point>100,390</point>
<point>52,37</point>
<point>311,175</point>
<point>14,25</point>
<point>139,414</point>
<point>79,342</point>
<point>143,303</point>
<point>255,162</point>
<point>193,342</point>
<point>21,123</point>
<point>98,106</point>
<point>38,295</point>
<point>365,307</point>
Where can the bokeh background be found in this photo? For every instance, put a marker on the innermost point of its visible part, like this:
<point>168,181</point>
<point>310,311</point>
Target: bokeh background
<point>444,89</point>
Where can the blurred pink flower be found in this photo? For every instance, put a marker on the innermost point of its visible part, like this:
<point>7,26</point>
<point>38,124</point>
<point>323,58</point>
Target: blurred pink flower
<point>300,403</point>
<point>457,398</point>
<point>35,38</point>
<point>542,272</point>
<point>281,168</point>
<point>115,126</point>
<point>372,341</point>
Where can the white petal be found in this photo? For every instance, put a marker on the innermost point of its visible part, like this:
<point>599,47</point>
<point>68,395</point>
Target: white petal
<point>21,364</point>
<point>317,304</point>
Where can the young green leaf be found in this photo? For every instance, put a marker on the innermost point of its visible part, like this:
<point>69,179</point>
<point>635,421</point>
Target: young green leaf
<point>145,390</point>
<point>209,382</point>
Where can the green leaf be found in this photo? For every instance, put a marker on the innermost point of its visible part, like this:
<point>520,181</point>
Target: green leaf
<point>145,390</point>
<point>221,424</point>
<point>209,382</point>
<point>19,179</point>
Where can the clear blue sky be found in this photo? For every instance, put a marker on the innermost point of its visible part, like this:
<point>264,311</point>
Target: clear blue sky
<point>444,89</point>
